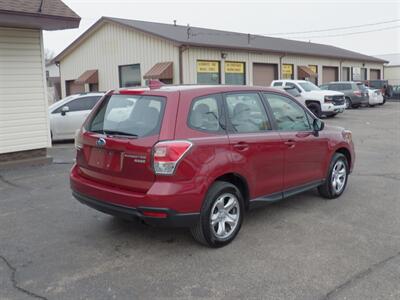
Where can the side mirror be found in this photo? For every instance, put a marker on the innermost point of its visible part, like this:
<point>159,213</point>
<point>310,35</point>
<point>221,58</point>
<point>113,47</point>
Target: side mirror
<point>64,110</point>
<point>318,125</point>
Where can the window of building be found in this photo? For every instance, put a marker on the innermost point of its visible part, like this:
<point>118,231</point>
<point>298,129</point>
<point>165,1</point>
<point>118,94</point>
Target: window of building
<point>288,115</point>
<point>287,71</point>
<point>208,72</point>
<point>93,87</point>
<point>129,75</point>
<point>204,114</point>
<point>235,73</point>
<point>246,113</point>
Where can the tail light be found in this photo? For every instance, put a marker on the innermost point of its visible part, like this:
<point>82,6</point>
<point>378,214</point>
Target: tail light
<point>167,155</point>
<point>78,139</point>
<point>357,93</point>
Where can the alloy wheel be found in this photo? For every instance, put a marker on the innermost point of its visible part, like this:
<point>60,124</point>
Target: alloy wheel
<point>225,215</point>
<point>338,177</point>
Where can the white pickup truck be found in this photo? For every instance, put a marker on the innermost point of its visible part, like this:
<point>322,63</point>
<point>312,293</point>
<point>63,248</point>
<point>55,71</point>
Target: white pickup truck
<point>319,102</point>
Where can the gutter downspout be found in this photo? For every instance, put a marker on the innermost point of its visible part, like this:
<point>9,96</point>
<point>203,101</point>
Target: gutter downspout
<point>280,65</point>
<point>182,49</point>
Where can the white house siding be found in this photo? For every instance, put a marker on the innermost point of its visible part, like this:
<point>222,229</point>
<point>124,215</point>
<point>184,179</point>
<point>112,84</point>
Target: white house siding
<point>191,55</point>
<point>24,121</point>
<point>113,45</point>
<point>392,74</point>
<point>327,62</point>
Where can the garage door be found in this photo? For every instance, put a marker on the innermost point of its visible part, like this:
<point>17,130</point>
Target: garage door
<point>375,74</point>
<point>329,74</point>
<point>74,88</point>
<point>264,74</point>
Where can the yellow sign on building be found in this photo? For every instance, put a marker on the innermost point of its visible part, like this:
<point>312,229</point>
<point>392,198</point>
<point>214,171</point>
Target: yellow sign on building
<point>234,67</point>
<point>207,66</point>
<point>313,68</point>
<point>287,69</point>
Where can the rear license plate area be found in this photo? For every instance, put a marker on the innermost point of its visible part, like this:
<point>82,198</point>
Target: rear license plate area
<point>105,159</point>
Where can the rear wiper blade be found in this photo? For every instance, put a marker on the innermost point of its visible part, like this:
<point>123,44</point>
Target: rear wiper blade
<point>120,133</point>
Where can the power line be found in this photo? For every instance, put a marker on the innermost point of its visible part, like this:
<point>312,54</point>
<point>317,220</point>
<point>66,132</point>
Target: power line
<point>346,34</point>
<point>334,29</point>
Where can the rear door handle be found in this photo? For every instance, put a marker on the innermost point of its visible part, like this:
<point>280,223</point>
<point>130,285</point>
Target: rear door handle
<point>290,143</point>
<point>241,146</point>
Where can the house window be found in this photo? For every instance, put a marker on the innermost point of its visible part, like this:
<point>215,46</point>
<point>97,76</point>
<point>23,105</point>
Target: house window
<point>129,75</point>
<point>287,71</point>
<point>208,72</point>
<point>235,73</point>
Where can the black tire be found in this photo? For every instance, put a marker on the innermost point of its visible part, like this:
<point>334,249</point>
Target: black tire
<point>203,231</point>
<point>327,190</point>
<point>315,108</point>
<point>348,102</point>
<point>331,115</point>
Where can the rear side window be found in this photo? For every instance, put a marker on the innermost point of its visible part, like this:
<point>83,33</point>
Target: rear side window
<point>204,114</point>
<point>361,86</point>
<point>129,114</point>
<point>80,104</point>
<point>292,86</point>
<point>246,113</point>
<point>336,87</point>
<point>278,84</point>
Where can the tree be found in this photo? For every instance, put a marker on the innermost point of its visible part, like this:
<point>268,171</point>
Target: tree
<point>48,55</point>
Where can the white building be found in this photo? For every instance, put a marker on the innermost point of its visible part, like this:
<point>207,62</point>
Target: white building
<point>117,53</point>
<point>392,68</point>
<point>24,124</point>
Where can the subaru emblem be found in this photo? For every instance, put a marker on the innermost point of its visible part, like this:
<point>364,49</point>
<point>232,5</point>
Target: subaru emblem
<point>101,142</point>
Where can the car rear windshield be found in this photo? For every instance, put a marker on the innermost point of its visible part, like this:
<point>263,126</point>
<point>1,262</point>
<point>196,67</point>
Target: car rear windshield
<point>128,115</point>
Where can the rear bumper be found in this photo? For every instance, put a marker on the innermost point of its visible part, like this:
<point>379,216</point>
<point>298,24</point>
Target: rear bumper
<point>359,100</point>
<point>172,219</point>
<point>180,204</point>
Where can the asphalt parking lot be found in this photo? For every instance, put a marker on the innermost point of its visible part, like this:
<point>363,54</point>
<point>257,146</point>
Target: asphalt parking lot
<point>52,247</point>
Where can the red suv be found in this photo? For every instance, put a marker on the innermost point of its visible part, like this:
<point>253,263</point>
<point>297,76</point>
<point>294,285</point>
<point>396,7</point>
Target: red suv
<point>200,156</point>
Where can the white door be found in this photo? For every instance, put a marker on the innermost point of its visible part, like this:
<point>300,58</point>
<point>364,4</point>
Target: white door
<point>64,125</point>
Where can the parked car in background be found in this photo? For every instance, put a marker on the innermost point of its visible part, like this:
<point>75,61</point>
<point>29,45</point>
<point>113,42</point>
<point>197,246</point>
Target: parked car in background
<point>68,114</point>
<point>355,93</point>
<point>382,85</point>
<point>320,102</point>
<point>396,92</point>
<point>200,156</point>
<point>375,97</point>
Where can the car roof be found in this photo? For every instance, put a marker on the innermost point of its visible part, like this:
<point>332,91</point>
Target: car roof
<point>356,82</point>
<point>193,87</point>
<point>73,97</point>
<point>290,80</point>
